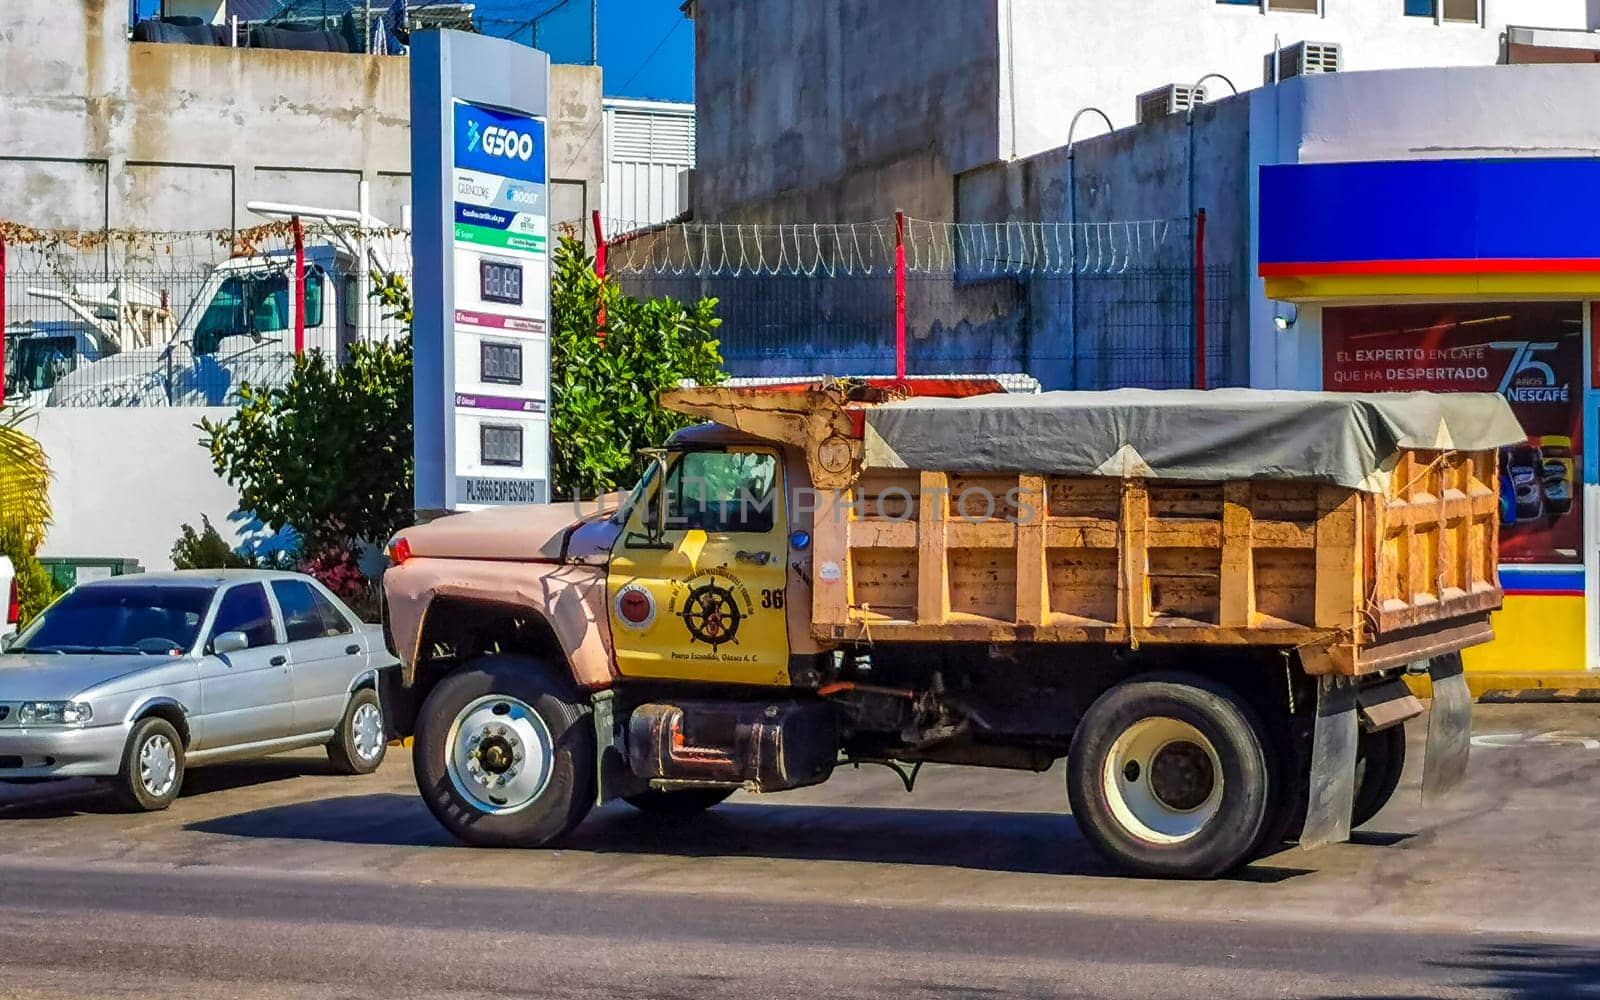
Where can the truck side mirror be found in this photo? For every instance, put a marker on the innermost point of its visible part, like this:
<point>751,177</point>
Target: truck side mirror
<point>654,514</point>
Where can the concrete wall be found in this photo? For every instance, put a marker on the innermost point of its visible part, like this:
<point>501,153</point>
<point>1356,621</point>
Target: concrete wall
<point>100,132</point>
<point>1067,54</point>
<point>841,110</point>
<point>126,479</point>
<point>1162,172</point>
<point>847,109</point>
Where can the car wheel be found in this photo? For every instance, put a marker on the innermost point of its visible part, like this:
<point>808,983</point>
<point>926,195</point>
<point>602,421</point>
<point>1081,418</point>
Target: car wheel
<point>360,742</point>
<point>1168,776</point>
<point>151,773</point>
<point>505,753</point>
<point>677,802</point>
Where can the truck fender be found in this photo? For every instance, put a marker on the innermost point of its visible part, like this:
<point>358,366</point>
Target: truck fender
<point>569,600</point>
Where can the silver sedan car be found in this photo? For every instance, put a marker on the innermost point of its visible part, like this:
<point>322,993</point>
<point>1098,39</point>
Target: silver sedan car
<point>135,678</point>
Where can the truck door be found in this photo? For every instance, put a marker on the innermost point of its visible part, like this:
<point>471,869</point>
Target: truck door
<point>702,600</point>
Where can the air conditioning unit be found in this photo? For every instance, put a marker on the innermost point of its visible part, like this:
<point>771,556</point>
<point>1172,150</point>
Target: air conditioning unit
<point>1303,59</point>
<point>1172,99</point>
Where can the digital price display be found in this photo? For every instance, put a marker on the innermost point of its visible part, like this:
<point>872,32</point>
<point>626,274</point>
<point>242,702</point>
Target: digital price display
<point>500,362</point>
<point>500,444</point>
<point>499,281</point>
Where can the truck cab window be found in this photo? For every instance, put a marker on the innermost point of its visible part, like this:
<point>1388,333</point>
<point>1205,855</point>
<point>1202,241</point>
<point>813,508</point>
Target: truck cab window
<point>722,491</point>
<point>255,305</point>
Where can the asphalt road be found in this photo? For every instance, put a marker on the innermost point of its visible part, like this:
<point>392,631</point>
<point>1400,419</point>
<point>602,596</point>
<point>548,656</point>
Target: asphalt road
<point>278,880</point>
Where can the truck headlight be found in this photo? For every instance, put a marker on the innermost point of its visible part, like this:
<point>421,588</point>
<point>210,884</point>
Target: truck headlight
<point>54,713</point>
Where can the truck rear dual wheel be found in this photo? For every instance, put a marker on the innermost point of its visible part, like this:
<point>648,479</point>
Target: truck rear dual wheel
<point>505,753</point>
<point>1168,776</point>
<point>1380,757</point>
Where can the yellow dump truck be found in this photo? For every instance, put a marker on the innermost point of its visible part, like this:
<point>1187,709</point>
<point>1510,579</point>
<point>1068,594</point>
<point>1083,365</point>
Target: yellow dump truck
<point>1204,602</point>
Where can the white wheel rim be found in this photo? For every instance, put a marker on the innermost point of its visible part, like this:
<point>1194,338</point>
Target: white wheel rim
<point>499,754</point>
<point>366,725</point>
<point>158,766</point>
<point>1163,780</point>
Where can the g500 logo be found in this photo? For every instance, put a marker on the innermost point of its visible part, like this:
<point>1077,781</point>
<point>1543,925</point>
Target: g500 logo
<point>499,141</point>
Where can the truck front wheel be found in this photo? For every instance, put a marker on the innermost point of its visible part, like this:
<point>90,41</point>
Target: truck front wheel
<point>1167,776</point>
<point>505,753</point>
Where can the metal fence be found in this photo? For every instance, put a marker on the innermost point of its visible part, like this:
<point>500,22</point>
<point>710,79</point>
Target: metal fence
<point>176,319</point>
<point>1082,306</point>
<point>182,319</point>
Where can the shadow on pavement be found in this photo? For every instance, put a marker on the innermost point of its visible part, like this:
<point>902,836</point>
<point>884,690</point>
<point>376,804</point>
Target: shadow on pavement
<point>78,796</point>
<point>1036,843</point>
<point>1532,970</point>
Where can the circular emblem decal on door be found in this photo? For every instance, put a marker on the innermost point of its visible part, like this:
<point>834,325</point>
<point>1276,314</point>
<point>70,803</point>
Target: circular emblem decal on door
<point>636,609</point>
<point>711,614</point>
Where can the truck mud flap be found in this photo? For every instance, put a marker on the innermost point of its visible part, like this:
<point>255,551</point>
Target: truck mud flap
<point>1449,728</point>
<point>1331,797</point>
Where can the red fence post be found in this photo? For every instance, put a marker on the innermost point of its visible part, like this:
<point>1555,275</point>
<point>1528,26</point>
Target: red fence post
<point>599,271</point>
<point>900,295</point>
<point>2,319</point>
<point>1200,300</point>
<point>299,286</point>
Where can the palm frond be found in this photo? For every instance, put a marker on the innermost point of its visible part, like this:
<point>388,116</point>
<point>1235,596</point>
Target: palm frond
<point>24,482</point>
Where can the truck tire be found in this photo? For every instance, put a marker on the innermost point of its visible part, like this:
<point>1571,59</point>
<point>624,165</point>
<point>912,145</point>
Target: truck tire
<point>1380,757</point>
<point>1168,776</point>
<point>678,802</point>
<point>505,754</point>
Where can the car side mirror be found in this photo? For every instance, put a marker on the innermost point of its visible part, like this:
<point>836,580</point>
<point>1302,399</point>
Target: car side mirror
<point>7,641</point>
<point>229,642</point>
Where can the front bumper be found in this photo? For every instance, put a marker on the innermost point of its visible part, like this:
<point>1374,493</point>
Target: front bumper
<point>62,752</point>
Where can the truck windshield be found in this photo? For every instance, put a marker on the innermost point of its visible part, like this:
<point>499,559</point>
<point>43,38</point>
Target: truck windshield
<point>119,618</point>
<point>255,305</point>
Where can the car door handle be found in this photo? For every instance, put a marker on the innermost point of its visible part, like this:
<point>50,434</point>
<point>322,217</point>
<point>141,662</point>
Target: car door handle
<point>278,661</point>
<point>759,558</point>
<point>352,649</point>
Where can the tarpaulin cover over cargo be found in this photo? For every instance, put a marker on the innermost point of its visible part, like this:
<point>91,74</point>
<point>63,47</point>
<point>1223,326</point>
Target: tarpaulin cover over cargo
<point>1345,439</point>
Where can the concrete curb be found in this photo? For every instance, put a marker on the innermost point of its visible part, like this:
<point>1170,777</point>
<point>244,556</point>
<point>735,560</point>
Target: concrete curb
<point>1510,687</point>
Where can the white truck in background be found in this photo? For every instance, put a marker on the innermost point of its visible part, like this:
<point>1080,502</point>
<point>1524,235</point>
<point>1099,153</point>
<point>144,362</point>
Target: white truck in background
<point>124,347</point>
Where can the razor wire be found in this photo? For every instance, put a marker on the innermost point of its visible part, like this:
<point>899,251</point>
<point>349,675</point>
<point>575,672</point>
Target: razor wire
<point>964,249</point>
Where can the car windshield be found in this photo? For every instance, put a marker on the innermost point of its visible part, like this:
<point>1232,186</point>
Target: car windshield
<point>120,618</point>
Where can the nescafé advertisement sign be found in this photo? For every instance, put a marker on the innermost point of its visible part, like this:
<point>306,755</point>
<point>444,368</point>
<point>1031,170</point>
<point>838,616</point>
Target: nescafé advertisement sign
<point>1531,353</point>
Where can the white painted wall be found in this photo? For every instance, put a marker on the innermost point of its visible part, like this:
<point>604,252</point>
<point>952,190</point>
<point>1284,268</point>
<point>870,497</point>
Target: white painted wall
<point>1065,54</point>
<point>126,479</point>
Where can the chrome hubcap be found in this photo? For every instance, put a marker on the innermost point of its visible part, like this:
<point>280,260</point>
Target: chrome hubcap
<point>158,766</point>
<point>1163,780</point>
<point>367,728</point>
<point>499,754</point>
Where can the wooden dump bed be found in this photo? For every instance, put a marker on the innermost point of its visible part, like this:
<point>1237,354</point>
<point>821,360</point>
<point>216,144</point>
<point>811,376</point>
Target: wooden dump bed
<point>1370,580</point>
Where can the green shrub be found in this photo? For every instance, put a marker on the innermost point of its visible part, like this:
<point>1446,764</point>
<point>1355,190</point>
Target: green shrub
<point>205,549</point>
<point>36,588</point>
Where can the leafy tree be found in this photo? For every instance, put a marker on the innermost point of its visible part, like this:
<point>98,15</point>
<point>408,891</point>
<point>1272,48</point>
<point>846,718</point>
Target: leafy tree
<point>605,380</point>
<point>329,454</point>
